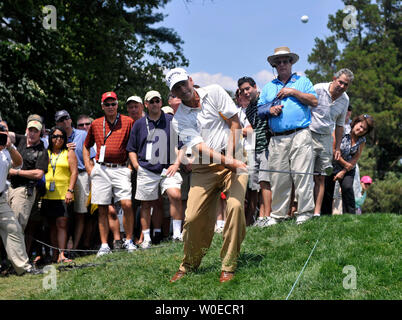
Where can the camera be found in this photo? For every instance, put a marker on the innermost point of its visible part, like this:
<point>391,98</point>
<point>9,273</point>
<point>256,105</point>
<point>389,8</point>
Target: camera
<point>30,188</point>
<point>3,135</point>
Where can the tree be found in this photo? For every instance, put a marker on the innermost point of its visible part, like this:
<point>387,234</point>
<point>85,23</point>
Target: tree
<point>372,50</point>
<point>98,46</point>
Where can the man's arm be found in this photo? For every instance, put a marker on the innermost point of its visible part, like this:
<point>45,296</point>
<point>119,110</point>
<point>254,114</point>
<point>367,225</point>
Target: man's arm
<point>134,160</point>
<point>34,174</point>
<point>235,130</point>
<point>227,160</point>
<point>11,135</point>
<point>305,98</point>
<point>338,140</point>
<point>16,157</point>
<point>89,165</point>
<point>171,171</point>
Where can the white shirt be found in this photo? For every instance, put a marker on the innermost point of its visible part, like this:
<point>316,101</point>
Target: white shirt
<point>328,113</point>
<point>5,164</point>
<point>248,142</point>
<point>206,124</point>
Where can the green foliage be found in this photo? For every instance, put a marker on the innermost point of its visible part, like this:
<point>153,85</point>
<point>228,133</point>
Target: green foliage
<point>385,195</point>
<point>373,52</point>
<point>98,46</point>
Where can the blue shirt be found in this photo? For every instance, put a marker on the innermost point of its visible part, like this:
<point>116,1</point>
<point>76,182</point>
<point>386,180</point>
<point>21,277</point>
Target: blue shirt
<point>294,114</point>
<point>163,149</point>
<point>78,137</point>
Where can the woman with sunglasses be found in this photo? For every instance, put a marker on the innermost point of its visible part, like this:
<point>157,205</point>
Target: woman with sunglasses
<point>352,146</point>
<point>60,181</point>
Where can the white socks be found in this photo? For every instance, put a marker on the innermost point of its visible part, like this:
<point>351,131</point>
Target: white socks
<point>176,228</point>
<point>147,234</point>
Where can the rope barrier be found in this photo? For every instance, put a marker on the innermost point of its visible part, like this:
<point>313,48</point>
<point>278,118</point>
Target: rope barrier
<point>305,264</point>
<point>91,250</point>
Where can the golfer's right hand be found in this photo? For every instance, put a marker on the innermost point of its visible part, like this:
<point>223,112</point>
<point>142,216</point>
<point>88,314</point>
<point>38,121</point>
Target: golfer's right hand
<point>237,166</point>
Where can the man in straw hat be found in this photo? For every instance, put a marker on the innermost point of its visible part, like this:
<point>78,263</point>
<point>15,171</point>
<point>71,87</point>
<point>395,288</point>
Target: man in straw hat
<point>207,122</point>
<point>289,97</point>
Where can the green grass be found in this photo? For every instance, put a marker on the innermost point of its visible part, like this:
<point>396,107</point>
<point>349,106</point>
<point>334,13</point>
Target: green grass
<point>271,259</point>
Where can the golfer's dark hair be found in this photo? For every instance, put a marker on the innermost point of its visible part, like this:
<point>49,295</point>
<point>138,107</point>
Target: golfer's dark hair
<point>364,117</point>
<point>242,80</point>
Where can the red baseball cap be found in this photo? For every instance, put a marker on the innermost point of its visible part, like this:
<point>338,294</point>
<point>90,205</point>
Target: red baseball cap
<point>109,94</point>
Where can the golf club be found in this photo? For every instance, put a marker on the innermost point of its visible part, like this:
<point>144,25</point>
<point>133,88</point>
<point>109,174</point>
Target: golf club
<point>327,171</point>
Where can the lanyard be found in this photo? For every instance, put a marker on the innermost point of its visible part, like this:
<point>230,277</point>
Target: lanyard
<point>54,165</point>
<point>149,138</point>
<point>111,129</point>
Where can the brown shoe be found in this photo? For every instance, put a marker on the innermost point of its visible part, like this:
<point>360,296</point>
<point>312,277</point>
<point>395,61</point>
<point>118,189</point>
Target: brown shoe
<point>226,276</point>
<point>178,275</point>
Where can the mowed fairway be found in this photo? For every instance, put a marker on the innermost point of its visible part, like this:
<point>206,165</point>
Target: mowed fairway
<point>270,262</point>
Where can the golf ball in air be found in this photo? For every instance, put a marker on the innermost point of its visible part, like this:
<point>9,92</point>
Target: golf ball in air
<point>304,19</point>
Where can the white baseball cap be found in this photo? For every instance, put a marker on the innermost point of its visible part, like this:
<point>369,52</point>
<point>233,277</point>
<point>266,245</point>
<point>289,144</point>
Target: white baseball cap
<point>134,98</point>
<point>167,109</point>
<point>152,94</point>
<point>176,75</point>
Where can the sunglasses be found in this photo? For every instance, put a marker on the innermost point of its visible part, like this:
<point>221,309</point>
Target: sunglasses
<point>106,104</point>
<point>366,116</point>
<point>155,100</point>
<point>279,62</point>
<point>63,119</point>
<point>58,136</point>
<point>83,124</point>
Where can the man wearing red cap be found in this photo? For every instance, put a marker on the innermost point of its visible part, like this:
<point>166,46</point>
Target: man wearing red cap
<point>110,176</point>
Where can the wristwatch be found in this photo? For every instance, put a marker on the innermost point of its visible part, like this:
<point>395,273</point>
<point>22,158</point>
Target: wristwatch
<point>69,190</point>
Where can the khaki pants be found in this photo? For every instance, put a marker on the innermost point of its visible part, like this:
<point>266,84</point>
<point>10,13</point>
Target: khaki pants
<point>21,204</point>
<point>207,182</point>
<point>293,152</point>
<point>13,239</point>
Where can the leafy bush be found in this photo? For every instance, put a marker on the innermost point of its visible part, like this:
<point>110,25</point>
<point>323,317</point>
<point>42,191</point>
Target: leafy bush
<point>385,195</point>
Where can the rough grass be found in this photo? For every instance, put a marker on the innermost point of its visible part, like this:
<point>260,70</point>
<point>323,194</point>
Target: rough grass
<point>271,259</point>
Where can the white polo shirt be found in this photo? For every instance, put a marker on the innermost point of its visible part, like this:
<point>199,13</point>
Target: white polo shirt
<point>5,164</point>
<point>206,124</point>
<point>328,113</point>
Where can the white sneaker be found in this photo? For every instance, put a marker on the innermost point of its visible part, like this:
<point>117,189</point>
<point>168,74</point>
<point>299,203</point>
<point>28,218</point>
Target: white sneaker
<point>316,215</point>
<point>103,251</point>
<point>271,222</point>
<point>146,244</point>
<point>130,246</point>
<point>302,218</point>
<point>178,238</point>
<point>218,229</point>
<point>259,222</point>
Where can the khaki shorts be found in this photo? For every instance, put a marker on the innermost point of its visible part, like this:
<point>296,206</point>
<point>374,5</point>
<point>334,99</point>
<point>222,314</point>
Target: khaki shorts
<point>81,192</point>
<point>322,151</point>
<point>148,184</point>
<point>108,183</point>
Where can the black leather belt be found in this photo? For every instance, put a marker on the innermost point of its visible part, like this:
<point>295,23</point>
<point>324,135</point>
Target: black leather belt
<point>81,170</point>
<point>112,165</point>
<point>285,133</point>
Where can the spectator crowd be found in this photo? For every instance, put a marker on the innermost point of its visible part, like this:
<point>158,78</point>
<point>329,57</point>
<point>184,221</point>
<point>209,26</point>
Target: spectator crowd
<point>202,164</point>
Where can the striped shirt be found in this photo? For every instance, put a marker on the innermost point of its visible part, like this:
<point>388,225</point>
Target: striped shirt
<point>259,126</point>
<point>116,142</point>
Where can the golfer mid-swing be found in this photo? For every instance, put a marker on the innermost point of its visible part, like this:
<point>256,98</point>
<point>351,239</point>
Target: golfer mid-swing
<point>206,122</point>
